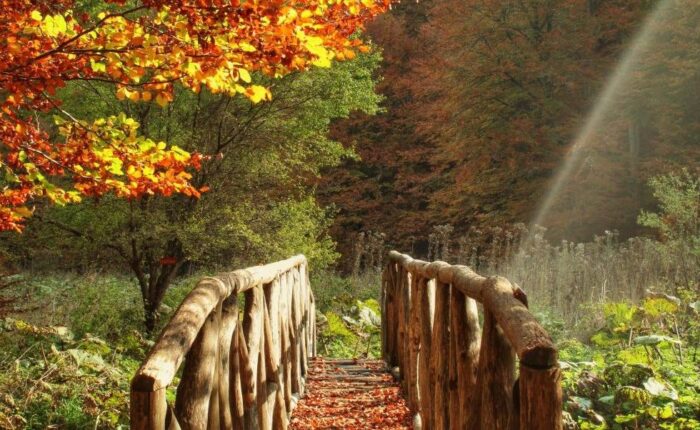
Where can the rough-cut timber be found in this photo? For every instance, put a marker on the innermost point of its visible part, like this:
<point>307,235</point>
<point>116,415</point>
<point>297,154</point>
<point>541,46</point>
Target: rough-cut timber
<point>352,395</point>
<point>466,380</point>
<point>251,372</point>
<point>236,374</point>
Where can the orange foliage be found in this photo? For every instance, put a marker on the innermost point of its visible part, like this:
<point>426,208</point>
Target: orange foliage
<point>143,51</point>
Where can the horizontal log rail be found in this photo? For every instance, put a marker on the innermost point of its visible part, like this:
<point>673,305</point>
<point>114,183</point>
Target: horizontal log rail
<point>238,372</point>
<point>455,374</point>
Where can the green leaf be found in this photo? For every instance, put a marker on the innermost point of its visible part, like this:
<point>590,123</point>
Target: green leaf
<point>660,388</point>
<point>654,339</point>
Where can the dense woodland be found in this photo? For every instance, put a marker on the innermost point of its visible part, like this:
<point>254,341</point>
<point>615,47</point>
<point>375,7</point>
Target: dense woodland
<point>483,101</point>
<point>554,142</point>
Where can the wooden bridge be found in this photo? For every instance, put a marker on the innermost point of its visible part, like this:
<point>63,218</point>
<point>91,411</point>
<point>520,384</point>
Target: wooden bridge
<point>246,339</point>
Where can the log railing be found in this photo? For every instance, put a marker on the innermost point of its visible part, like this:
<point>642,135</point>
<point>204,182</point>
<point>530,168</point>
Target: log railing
<point>455,375</point>
<point>238,372</point>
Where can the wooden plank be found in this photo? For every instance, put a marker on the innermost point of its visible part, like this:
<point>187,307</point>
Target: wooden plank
<point>251,277</point>
<point>285,323</point>
<point>263,405</point>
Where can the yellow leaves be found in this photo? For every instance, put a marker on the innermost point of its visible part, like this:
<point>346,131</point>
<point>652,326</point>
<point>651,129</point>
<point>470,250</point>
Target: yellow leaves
<point>257,93</point>
<point>180,154</point>
<point>98,67</point>
<point>315,46</point>
<point>288,14</point>
<point>323,56</point>
<point>244,75</point>
<point>125,93</point>
<point>23,211</point>
<point>54,25</point>
<point>194,70</point>
<point>163,98</point>
<point>36,15</point>
<point>246,47</point>
<point>161,16</point>
<point>112,162</point>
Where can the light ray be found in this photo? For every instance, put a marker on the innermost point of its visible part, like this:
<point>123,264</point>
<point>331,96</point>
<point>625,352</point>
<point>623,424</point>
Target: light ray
<point>615,86</point>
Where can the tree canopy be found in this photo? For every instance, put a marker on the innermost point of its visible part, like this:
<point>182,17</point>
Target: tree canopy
<point>143,49</point>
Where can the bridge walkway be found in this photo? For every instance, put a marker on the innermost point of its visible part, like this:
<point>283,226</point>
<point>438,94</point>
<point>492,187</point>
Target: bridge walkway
<point>351,394</point>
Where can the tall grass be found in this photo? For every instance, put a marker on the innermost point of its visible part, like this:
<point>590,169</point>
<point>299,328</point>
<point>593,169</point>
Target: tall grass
<point>572,280</point>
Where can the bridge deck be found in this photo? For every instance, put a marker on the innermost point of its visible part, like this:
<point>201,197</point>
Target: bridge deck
<point>351,394</point>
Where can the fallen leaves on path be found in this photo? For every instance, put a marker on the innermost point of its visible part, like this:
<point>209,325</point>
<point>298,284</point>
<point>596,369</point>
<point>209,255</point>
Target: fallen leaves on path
<point>351,395</point>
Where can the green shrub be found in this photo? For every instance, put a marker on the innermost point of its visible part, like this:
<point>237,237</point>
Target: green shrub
<point>640,373</point>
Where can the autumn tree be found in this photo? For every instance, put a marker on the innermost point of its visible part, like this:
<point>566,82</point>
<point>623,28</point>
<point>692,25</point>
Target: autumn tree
<point>143,49</point>
<point>259,162</point>
<point>485,100</point>
<point>391,180</point>
<point>145,54</point>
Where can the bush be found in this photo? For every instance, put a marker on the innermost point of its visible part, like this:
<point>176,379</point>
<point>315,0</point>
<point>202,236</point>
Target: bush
<point>50,378</point>
<point>348,313</point>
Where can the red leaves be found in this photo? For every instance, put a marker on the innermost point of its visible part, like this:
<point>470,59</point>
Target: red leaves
<point>351,395</point>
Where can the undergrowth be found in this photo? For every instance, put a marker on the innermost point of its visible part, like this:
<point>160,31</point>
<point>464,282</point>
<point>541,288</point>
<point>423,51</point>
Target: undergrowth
<point>639,371</point>
<point>69,348</point>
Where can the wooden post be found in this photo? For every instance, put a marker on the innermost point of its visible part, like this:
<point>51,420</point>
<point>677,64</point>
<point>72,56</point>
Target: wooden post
<point>229,321</point>
<point>389,319</point>
<point>285,315</point>
<point>272,326</point>
<point>404,294</point>
<point>197,384</point>
<point>252,329</point>
<point>264,417</point>
<point>398,317</point>
<point>294,335</point>
<point>466,337</point>
<point>148,409</point>
<point>540,398</point>
<point>495,379</point>
<point>426,291</point>
<point>439,357</point>
<point>413,345</point>
<point>237,402</point>
<point>452,390</point>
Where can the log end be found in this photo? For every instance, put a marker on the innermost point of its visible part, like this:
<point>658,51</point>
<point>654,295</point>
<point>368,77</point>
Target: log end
<point>144,383</point>
<point>540,357</point>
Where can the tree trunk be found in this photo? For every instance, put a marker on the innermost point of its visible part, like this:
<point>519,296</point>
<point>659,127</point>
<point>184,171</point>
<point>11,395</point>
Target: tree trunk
<point>153,290</point>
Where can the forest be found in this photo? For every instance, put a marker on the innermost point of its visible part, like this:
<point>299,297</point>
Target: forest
<point>148,144</point>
